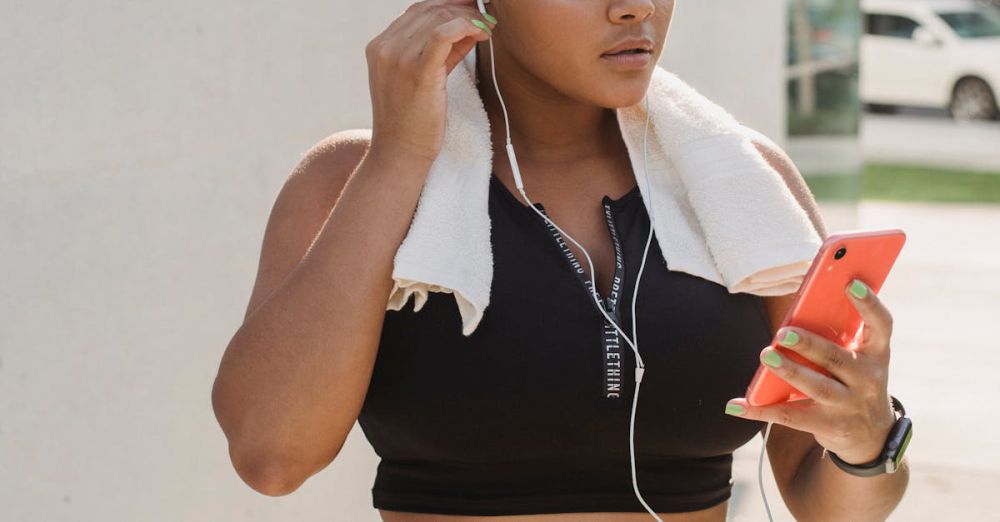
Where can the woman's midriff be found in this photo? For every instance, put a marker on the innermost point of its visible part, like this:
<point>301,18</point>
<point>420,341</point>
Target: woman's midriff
<point>715,513</point>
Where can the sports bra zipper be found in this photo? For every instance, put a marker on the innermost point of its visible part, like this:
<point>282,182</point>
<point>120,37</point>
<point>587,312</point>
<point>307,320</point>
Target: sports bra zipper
<point>611,342</point>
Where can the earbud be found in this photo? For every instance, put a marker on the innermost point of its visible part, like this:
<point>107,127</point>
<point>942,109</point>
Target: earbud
<point>482,7</point>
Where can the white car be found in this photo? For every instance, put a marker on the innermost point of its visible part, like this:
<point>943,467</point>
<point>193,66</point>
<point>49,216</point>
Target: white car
<point>931,53</point>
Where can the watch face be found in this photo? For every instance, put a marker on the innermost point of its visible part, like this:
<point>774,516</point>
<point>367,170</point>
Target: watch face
<point>899,439</point>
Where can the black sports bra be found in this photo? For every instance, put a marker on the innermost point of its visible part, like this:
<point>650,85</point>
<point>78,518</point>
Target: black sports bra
<point>530,413</point>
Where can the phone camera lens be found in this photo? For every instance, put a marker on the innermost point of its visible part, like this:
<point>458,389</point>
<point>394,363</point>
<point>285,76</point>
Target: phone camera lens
<point>841,252</point>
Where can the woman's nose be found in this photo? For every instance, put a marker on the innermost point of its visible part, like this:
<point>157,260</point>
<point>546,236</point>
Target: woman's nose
<point>631,11</point>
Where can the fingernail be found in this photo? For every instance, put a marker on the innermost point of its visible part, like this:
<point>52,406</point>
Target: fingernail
<point>772,359</point>
<point>734,409</point>
<point>858,289</point>
<point>490,18</point>
<point>790,338</point>
<point>482,25</point>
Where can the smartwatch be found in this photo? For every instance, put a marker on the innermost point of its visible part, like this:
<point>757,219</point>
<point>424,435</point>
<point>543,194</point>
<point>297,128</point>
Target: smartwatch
<point>891,456</point>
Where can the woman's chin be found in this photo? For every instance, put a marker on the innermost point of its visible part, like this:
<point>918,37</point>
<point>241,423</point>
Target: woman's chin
<point>623,90</point>
<point>627,96</point>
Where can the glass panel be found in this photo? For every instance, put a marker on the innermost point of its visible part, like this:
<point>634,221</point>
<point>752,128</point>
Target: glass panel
<point>982,23</point>
<point>823,67</point>
<point>891,25</point>
<point>824,109</point>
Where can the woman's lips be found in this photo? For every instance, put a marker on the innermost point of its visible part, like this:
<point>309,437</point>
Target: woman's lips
<point>630,60</point>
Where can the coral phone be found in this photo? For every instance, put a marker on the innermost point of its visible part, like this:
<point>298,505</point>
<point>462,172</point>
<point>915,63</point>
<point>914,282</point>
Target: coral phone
<point>822,305</point>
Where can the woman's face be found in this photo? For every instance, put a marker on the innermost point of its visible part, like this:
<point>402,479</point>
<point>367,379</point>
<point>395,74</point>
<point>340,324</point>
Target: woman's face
<point>561,42</point>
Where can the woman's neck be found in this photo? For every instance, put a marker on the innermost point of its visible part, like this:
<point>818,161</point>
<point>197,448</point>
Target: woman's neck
<point>546,127</point>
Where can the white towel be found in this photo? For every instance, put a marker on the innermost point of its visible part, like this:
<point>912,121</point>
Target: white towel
<point>721,212</point>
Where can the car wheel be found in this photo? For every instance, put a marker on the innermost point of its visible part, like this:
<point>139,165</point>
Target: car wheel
<point>973,99</point>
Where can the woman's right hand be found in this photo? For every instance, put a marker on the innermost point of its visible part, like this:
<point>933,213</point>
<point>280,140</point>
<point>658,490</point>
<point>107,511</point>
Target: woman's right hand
<point>408,67</point>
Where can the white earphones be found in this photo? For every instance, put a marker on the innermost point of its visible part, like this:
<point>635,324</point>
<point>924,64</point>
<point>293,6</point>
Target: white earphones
<point>640,367</point>
<point>482,8</point>
<point>634,342</point>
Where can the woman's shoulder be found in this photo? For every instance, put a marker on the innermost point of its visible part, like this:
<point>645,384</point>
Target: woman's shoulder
<point>340,151</point>
<point>325,167</point>
<point>304,202</point>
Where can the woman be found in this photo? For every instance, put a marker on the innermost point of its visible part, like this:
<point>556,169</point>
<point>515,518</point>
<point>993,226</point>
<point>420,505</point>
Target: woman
<point>500,423</point>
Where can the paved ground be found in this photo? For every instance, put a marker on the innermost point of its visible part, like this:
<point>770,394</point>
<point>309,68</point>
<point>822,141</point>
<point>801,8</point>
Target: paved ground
<point>944,293</point>
<point>931,138</point>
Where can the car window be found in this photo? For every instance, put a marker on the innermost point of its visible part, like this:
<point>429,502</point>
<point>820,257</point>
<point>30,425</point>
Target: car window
<point>973,24</point>
<point>890,25</point>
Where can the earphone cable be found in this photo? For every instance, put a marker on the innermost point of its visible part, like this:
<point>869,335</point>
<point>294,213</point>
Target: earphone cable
<point>635,330</point>
<point>531,205</point>
<point>506,118</point>
<point>640,366</point>
<point>634,341</point>
<point>760,471</point>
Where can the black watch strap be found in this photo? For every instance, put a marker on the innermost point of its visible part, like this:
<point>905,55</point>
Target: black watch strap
<point>889,459</point>
<point>872,469</point>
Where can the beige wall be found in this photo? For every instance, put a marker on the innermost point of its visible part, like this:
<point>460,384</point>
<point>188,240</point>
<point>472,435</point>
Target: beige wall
<point>141,147</point>
<point>734,53</point>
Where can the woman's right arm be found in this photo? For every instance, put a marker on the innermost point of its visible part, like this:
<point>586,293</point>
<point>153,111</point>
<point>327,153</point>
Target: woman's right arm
<point>294,377</point>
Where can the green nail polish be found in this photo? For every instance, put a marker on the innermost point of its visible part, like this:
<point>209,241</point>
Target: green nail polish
<point>482,25</point>
<point>858,289</point>
<point>490,18</point>
<point>772,359</point>
<point>734,409</point>
<point>790,339</point>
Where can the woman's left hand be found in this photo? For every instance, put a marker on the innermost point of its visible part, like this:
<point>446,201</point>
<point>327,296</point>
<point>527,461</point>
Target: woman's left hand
<point>850,413</point>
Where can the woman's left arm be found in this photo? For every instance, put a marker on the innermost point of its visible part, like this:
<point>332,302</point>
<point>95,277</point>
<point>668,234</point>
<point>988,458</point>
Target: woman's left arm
<point>848,414</point>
